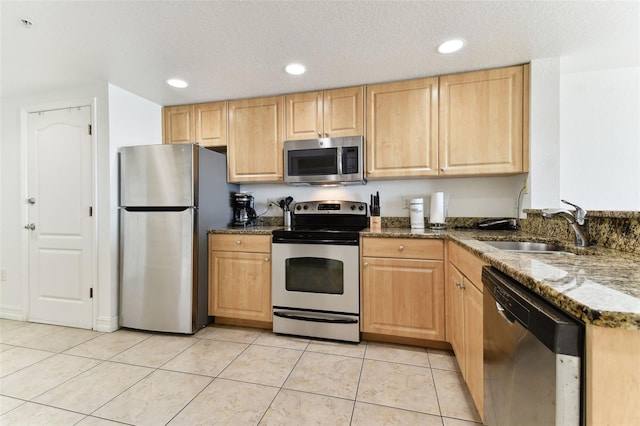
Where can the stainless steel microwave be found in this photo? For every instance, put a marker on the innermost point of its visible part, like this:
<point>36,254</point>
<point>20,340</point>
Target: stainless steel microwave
<point>326,161</point>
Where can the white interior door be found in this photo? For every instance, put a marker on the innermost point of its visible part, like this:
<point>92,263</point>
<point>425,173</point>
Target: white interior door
<point>60,219</point>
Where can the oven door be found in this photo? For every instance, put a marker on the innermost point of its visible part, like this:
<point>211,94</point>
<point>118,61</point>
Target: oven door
<point>319,277</point>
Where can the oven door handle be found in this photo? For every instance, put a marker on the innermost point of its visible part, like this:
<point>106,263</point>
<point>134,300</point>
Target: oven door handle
<point>283,240</point>
<point>316,319</point>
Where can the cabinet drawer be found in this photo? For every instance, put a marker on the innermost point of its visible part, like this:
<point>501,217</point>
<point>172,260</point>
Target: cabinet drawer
<point>240,242</point>
<point>404,248</point>
<point>467,263</point>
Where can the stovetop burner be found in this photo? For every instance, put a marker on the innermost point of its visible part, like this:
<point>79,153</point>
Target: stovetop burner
<point>325,222</point>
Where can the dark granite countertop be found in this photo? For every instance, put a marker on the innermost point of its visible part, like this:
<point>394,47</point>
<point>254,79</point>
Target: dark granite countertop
<point>255,230</point>
<point>598,285</point>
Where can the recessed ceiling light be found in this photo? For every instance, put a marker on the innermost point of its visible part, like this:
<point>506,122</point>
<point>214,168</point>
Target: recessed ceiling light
<point>451,46</point>
<point>176,82</point>
<point>295,69</point>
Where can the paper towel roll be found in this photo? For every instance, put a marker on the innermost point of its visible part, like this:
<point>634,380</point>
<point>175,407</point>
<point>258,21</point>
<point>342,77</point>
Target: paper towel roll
<point>437,211</point>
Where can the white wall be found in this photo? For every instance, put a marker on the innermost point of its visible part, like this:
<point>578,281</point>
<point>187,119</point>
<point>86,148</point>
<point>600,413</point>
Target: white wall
<point>544,133</point>
<point>121,118</point>
<point>600,135</point>
<point>468,197</point>
<point>585,135</point>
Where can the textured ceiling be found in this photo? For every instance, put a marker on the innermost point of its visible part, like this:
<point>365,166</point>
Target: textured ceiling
<point>236,49</point>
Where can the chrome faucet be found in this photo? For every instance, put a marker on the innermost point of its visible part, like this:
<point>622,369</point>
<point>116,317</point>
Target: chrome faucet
<point>578,221</point>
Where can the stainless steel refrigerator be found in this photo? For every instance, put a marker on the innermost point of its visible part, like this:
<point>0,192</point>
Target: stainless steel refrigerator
<point>170,195</point>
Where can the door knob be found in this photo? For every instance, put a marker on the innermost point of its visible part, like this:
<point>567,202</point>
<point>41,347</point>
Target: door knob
<point>30,226</point>
<point>31,200</point>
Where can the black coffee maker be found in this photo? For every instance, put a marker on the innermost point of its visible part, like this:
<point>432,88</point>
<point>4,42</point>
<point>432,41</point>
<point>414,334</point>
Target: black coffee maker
<point>243,212</point>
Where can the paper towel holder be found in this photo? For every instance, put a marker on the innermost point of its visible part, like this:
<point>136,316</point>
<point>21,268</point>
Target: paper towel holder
<point>437,226</point>
<point>438,211</point>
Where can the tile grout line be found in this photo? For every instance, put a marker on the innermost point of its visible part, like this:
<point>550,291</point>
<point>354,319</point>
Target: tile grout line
<point>308,348</point>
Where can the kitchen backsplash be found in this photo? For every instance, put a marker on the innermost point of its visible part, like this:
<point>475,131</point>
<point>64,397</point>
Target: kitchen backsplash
<point>619,230</point>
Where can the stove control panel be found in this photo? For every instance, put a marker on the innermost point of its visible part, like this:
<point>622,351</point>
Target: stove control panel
<point>331,207</point>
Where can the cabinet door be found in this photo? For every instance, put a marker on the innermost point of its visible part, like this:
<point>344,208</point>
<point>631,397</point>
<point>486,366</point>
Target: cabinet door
<point>211,124</point>
<point>455,314</point>
<point>481,122</point>
<point>303,116</point>
<point>178,124</point>
<point>402,129</point>
<point>473,373</point>
<point>240,285</point>
<point>403,297</point>
<point>344,112</point>
<point>255,150</point>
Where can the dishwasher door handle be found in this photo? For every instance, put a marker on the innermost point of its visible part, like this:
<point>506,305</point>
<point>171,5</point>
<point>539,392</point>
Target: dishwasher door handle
<point>504,314</point>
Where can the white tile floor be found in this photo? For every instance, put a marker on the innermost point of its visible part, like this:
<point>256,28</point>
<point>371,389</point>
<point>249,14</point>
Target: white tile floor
<point>53,375</point>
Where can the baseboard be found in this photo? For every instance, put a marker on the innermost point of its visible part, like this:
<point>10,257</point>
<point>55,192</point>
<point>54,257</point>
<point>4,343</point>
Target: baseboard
<point>15,313</point>
<point>244,323</point>
<point>375,337</point>
<point>107,324</point>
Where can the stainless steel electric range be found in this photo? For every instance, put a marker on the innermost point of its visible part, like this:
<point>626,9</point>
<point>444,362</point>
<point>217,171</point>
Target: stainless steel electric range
<point>315,271</point>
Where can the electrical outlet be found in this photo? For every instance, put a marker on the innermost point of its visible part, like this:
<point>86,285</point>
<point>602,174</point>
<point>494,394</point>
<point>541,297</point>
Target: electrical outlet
<point>525,190</point>
<point>405,202</point>
<point>271,201</point>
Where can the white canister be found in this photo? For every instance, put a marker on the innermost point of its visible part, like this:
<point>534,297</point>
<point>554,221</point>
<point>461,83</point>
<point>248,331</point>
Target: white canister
<point>416,213</point>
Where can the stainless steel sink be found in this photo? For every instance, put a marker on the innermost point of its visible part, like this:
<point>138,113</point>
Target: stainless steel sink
<point>526,246</point>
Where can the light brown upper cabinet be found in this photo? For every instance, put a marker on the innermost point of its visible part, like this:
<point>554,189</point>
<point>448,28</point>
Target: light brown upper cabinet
<point>483,129</point>
<point>204,124</point>
<point>402,129</point>
<point>178,124</point>
<point>323,114</point>
<point>211,124</point>
<point>254,153</point>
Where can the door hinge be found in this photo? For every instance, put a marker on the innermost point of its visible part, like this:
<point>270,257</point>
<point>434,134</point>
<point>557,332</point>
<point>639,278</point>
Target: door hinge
<point>90,211</point>
<point>91,293</point>
<point>90,129</point>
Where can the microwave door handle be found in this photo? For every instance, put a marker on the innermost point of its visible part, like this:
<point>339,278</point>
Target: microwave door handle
<point>339,159</point>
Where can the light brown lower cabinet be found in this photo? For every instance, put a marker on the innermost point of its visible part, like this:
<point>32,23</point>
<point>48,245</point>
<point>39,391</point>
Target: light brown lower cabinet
<point>464,318</point>
<point>240,276</point>
<point>403,288</point>
<point>612,379</point>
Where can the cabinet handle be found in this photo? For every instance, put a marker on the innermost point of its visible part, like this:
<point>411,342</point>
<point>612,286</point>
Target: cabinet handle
<point>369,171</point>
<point>320,134</point>
<point>266,259</point>
<point>443,169</point>
<point>400,248</point>
<point>459,284</point>
<point>238,242</point>
<point>366,264</point>
<point>326,134</point>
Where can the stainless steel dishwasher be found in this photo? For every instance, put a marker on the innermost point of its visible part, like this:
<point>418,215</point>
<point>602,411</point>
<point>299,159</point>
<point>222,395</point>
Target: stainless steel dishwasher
<point>532,357</point>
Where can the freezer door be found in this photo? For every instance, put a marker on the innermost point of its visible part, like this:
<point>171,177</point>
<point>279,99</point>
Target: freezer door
<point>158,176</point>
<point>157,270</point>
